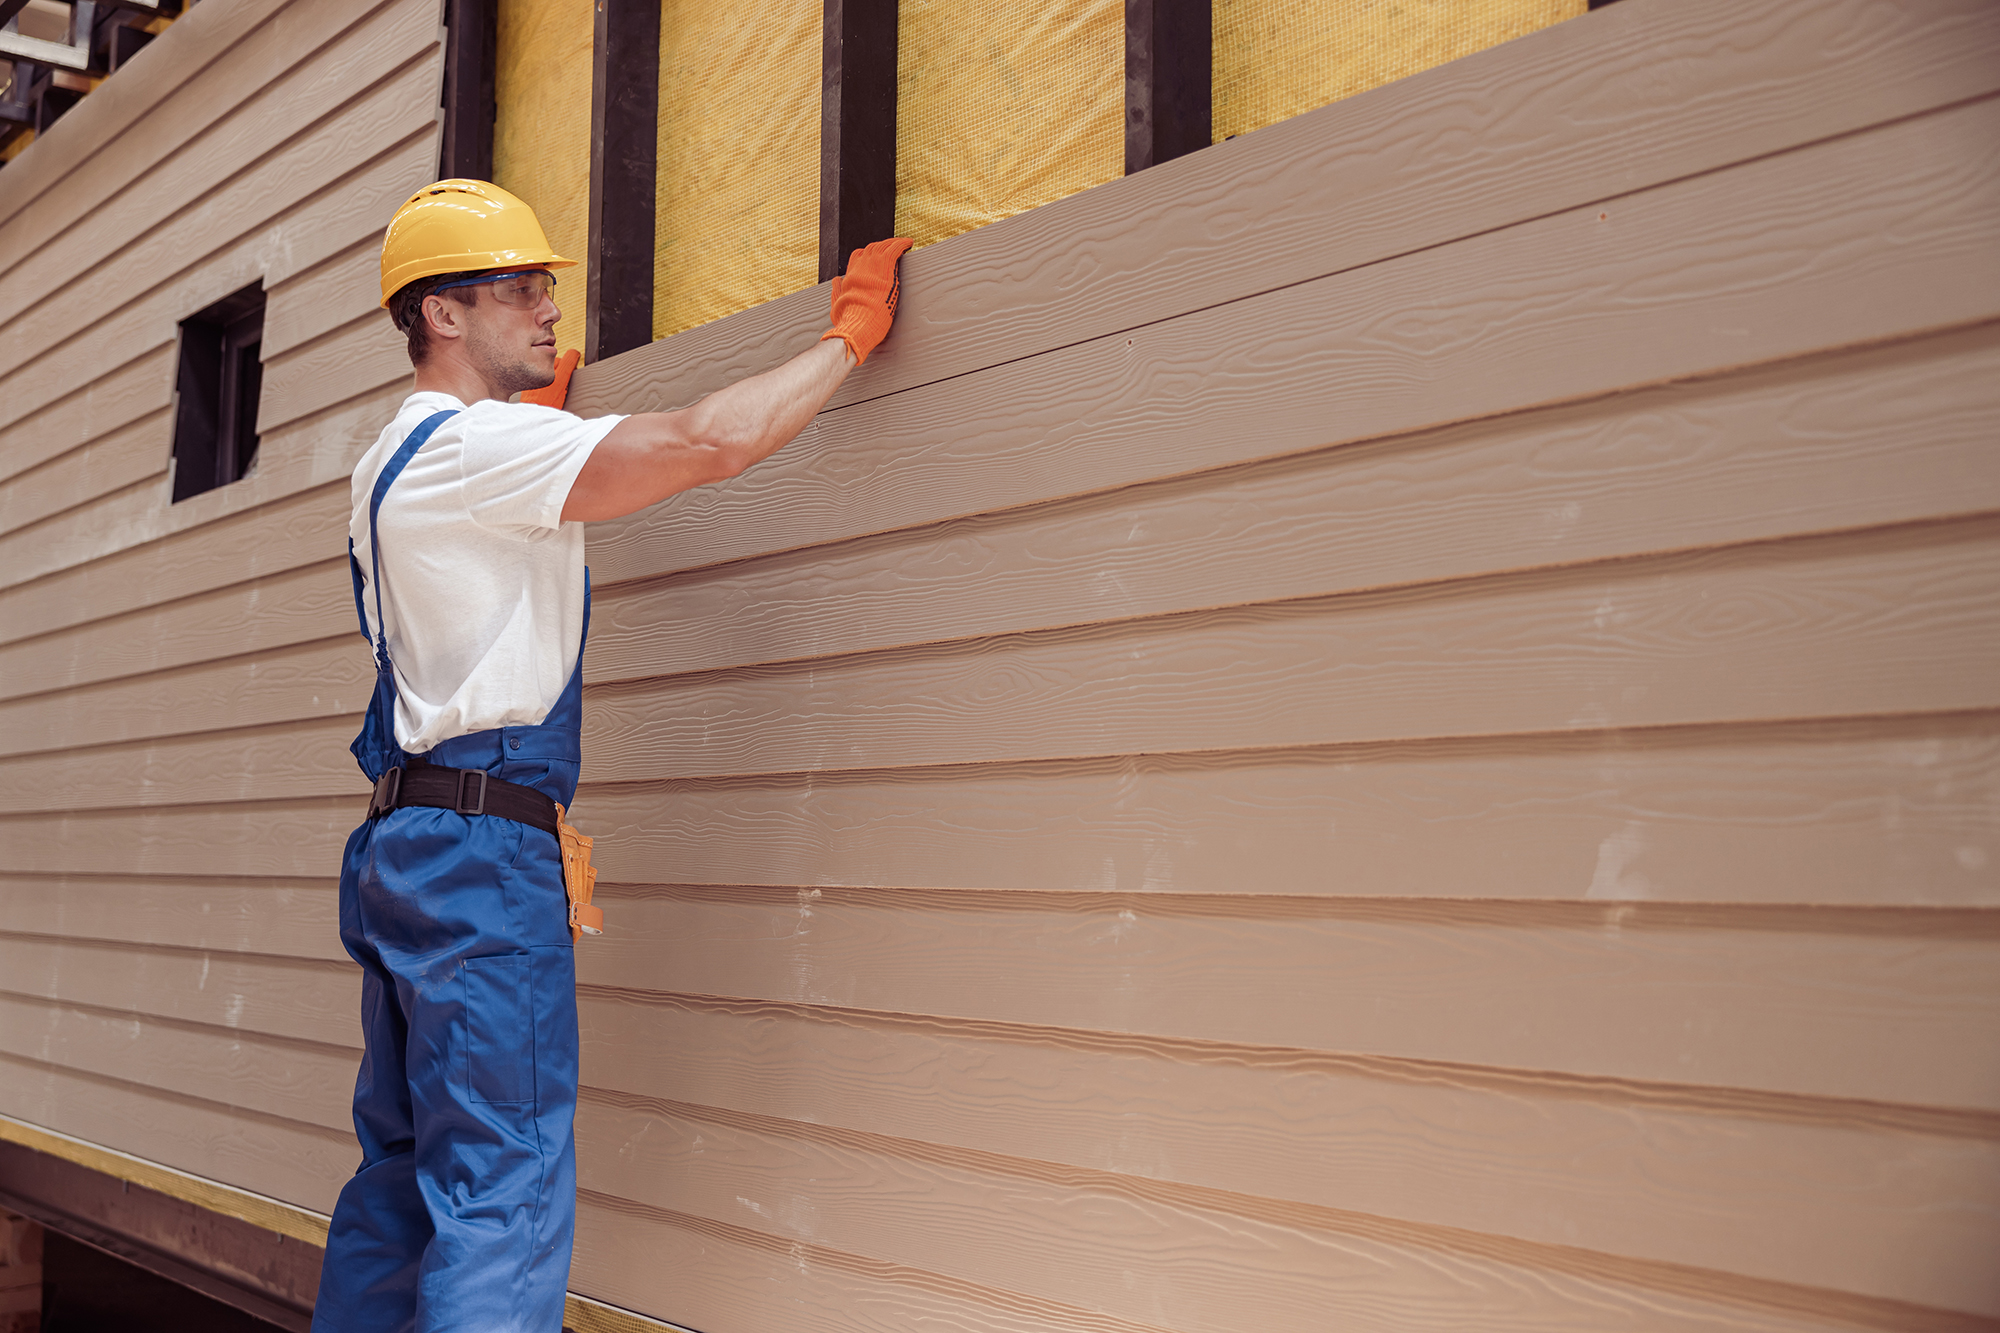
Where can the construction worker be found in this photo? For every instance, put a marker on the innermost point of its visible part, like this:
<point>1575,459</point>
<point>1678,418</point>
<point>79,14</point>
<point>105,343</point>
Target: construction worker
<point>468,558</point>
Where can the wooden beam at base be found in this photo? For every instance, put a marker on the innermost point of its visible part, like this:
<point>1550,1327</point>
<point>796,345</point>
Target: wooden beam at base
<point>580,1313</point>
<point>1169,80</point>
<point>857,135</point>
<point>624,153</point>
<point>465,148</point>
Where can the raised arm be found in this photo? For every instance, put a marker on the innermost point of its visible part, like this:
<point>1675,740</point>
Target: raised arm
<point>653,455</point>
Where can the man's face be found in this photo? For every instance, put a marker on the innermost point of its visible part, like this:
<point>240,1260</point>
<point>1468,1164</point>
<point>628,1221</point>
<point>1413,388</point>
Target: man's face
<point>509,331</point>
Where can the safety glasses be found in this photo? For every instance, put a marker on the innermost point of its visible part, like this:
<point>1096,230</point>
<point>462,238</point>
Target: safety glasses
<point>524,290</point>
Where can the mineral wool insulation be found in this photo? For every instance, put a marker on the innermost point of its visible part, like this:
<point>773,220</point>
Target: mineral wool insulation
<point>1002,105</point>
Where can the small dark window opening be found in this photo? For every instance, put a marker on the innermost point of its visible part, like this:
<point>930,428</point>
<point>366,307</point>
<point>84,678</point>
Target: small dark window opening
<point>215,415</point>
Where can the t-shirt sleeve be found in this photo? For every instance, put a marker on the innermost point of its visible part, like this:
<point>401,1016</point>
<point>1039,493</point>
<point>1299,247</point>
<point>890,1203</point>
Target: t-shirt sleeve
<point>519,461</point>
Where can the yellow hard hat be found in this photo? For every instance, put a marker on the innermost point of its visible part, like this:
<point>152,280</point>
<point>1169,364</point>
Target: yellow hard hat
<point>457,226</point>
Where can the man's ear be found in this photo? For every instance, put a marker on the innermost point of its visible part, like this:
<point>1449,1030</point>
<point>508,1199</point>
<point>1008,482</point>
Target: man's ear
<point>442,316</point>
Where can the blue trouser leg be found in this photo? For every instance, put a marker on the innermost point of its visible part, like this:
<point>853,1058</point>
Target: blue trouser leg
<point>462,1213</point>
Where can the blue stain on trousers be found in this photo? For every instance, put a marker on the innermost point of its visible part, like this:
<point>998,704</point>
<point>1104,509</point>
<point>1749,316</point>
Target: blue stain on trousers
<point>462,1212</point>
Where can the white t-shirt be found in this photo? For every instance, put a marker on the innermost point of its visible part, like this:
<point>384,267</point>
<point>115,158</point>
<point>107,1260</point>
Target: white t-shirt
<point>482,581</point>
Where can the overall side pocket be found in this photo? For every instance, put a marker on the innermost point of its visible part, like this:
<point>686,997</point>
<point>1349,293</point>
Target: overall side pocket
<point>499,1029</point>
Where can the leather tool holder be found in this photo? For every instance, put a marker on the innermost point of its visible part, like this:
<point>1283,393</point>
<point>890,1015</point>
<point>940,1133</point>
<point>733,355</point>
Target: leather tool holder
<point>579,879</point>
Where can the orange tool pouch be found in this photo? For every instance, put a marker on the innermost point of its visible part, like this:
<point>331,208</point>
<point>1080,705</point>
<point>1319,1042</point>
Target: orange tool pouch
<point>579,878</point>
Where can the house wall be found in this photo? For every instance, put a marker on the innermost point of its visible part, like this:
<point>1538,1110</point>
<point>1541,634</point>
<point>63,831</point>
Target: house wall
<point>1389,725</point>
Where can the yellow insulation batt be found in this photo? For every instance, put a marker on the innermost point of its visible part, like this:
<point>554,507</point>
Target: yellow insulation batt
<point>738,219</point>
<point>541,134</point>
<point>1002,105</point>
<point>1277,58</point>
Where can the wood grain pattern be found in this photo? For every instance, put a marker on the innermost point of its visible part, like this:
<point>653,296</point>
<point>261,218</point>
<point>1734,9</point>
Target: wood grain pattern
<point>1816,1192</point>
<point>290,839</point>
<point>1897,811</point>
<point>1886,435</point>
<point>1565,117</point>
<point>285,1159</point>
<point>123,458</point>
<point>297,918</point>
<point>1804,1001</point>
<point>302,758</point>
<point>1869,237</point>
<point>305,605</point>
<point>309,1000</point>
<point>327,679</point>
<point>358,358</point>
<point>1178,1256</point>
<point>141,387</point>
<point>326,79</point>
<point>328,188</point>
<point>1897,620</point>
<point>315,301</point>
<point>304,1081</point>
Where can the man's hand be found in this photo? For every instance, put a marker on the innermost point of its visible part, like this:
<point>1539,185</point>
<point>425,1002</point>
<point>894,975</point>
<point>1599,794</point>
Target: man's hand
<point>864,301</point>
<point>557,393</point>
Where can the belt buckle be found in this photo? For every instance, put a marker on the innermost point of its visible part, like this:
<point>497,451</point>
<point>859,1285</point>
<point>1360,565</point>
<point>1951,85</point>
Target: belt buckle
<point>478,807</point>
<point>387,789</point>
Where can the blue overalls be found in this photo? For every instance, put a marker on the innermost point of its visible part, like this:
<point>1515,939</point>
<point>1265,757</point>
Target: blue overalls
<point>462,1211</point>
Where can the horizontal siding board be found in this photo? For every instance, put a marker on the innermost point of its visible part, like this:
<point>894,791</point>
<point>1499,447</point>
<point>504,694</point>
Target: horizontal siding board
<point>285,1159</point>
<point>1878,235</point>
<point>315,301</point>
<point>305,758</point>
<point>285,839</point>
<point>295,1080</point>
<point>139,388</point>
<point>317,680</point>
<point>311,1000</point>
<point>1835,1199</point>
<point>305,605</point>
<point>1898,812</point>
<point>264,129</point>
<point>1790,1002</point>
<point>1578,112</point>
<point>133,453</point>
<point>364,356</point>
<point>296,918</point>
<point>103,559</point>
<point>1888,435</point>
<point>1892,621</point>
<point>325,191</point>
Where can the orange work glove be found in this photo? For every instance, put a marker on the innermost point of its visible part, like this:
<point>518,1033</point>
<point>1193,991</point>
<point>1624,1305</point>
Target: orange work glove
<point>864,302</point>
<point>558,393</point>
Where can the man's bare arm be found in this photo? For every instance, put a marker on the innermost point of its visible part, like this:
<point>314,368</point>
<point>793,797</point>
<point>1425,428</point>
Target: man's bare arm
<point>653,455</point>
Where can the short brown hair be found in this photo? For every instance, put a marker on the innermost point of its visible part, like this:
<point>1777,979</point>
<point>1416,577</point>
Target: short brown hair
<point>406,307</point>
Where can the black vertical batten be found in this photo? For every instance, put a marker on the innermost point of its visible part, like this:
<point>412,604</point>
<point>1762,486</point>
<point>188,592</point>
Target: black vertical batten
<point>470,61</point>
<point>1169,80</point>
<point>624,138</point>
<point>857,129</point>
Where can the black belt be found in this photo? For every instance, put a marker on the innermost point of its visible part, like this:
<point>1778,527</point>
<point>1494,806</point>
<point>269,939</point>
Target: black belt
<point>469,791</point>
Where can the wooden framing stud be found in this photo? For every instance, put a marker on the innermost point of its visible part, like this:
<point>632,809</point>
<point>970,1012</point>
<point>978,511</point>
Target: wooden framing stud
<point>470,62</point>
<point>857,130</point>
<point>1169,80</point>
<point>624,130</point>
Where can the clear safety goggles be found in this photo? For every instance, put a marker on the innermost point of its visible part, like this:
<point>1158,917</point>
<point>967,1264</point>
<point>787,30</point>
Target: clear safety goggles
<point>524,290</point>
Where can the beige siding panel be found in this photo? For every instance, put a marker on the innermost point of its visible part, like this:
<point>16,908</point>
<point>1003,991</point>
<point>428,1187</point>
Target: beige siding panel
<point>305,605</point>
<point>1806,1001</point>
<point>110,463</point>
<point>1876,235</point>
<point>326,190</point>
<point>1896,620</point>
<point>1584,111</point>
<point>305,758</point>
<point>271,838</point>
<point>309,1000</point>
<point>316,680</point>
<point>286,1159</point>
<point>296,918</point>
<point>239,48</point>
<point>134,390</point>
<point>363,357</point>
<point>1894,812</point>
<point>1787,1189</point>
<point>1888,435</point>
<point>319,300</point>
<point>292,509</point>
<point>300,1081</point>
<point>323,84</point>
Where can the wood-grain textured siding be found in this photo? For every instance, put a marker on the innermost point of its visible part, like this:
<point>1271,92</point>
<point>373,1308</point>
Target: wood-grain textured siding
<point>1391,725</point>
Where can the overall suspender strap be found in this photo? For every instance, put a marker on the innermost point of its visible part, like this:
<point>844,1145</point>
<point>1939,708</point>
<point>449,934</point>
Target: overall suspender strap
<point>383,481</point>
